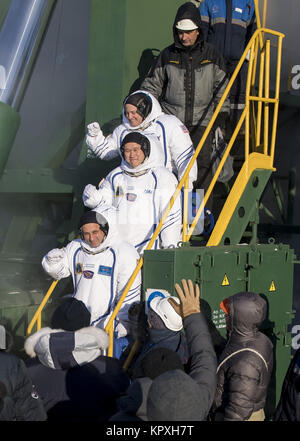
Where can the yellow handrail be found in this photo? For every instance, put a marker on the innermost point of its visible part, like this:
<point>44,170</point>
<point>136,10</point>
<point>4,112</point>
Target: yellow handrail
<point>38,314</point>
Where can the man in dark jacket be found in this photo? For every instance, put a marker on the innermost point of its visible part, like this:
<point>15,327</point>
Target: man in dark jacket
<point>163,330</point>
<point>166,392</point>
<point>75,382</point>
<point>246,363</point>
<point>288,408</point>
<point>19,400</point>
<point>189,79</point>
<point>229,26</point>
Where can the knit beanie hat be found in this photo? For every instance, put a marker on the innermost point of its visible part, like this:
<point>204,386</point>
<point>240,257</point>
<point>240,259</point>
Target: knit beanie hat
<point>71,315</point>
<point>159,360</point>
<point>142,102</point>
<point>175,396</point>
<point>92,217</point>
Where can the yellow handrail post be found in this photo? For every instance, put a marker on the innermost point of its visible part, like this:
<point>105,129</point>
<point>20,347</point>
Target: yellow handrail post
<point>252,90</point>
<point>248,86</point>
<point>267,95</point>
<point>260,94</point>
<point>185,210</point>
<point>276,106</point>
<point>38,313</point>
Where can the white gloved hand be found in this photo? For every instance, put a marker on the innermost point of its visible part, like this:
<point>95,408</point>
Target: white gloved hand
<point>93,129</point>
<point>55,256</point>
<point>91,196</point>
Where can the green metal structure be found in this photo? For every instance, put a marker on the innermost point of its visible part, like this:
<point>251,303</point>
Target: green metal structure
<point>125,36</point>
<point>222,271</point>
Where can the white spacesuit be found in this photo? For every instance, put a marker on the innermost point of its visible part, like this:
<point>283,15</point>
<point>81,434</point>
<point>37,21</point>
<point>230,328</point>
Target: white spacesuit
<point>141,195</point>
<point>176,147</point>
<point>99,274</point>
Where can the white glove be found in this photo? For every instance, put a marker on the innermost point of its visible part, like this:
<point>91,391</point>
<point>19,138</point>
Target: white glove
<point>93,129</point>
<point>91,196</point>
<point>55,256</point>
<point>94,139</point>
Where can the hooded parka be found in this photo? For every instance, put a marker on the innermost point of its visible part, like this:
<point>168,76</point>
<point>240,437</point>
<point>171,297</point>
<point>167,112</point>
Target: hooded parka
<point>245,365</point>
<point>19,400</point>
<point>189,81</point>
<point>73,379</point>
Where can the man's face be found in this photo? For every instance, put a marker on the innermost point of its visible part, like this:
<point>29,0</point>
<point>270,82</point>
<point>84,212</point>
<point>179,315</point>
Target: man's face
<point>132,115</point>
<point>133,154</point>
<point>92,234</point>
<point>188,38</point>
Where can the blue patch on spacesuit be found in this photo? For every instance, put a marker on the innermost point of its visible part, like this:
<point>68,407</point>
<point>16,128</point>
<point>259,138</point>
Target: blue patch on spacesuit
<point>105,270</point>
<point>88,274</point>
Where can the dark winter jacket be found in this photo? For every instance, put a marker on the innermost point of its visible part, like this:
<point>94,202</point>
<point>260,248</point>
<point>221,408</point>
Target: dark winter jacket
<point>228,25</point>
<point>288,408</point>
<point>160,399</point>
<point>163,338</point>
<point>18,398</point>
<point>189,81</point>
<point>243,379</point>
<point>74,381</point>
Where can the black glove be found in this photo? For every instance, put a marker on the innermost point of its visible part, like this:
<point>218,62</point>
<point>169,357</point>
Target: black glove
<point>137,323</point>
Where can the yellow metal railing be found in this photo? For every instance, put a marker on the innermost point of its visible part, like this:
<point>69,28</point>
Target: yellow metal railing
<point>37,318</point>
<point>263,100</point>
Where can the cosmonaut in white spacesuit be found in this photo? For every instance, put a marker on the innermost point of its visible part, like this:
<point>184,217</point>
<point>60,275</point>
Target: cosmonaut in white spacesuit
<point>142,113</point>
<point>100,264</point>
<point>141,193</point>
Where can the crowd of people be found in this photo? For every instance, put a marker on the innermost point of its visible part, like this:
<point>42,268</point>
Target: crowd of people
<point>178,373</point>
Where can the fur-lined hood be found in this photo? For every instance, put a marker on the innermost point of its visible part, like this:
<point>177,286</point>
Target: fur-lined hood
<point>59,349</point>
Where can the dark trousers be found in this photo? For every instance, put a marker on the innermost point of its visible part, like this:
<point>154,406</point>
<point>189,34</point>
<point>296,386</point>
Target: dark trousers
<point>204,175</point>
<point>237,93</point>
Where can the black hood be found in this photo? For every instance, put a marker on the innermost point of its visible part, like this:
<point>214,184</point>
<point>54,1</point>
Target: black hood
<point>187,11</point>
<point>247,311</point>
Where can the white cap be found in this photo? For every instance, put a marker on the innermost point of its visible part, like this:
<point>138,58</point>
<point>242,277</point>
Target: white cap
<point>166,312</point>
<point>186,25</point>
